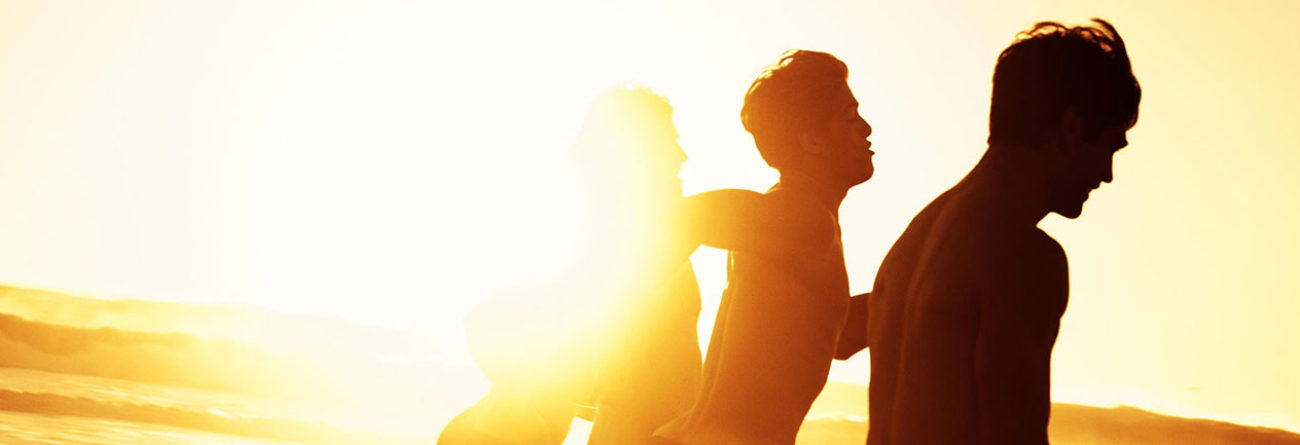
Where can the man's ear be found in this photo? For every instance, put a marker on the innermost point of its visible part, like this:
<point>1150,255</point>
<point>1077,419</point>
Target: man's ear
<point>810,143</point>
<point>1071,127</point>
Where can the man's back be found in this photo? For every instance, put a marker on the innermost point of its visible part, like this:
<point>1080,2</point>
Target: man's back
<point>953,288</point>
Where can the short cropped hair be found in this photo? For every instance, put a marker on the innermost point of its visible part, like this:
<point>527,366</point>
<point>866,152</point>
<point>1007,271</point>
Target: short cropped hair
<point>1050,68</point>
<point>790,98</point>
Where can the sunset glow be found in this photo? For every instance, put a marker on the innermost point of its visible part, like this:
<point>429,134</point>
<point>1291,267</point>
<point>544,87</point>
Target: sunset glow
<point>394,163</point>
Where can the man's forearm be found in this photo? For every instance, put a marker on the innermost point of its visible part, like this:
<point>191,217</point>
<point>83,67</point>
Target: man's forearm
<point>853,337</point>
<point>744,220</point>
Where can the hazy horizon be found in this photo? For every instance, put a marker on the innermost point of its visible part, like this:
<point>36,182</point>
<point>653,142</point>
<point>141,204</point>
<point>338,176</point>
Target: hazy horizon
<point>393,163</point>
<point>316,342</point>
<point>399,404</point>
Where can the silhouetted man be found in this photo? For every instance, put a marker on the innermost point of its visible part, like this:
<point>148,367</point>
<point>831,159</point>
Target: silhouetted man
<point>649,367</point>
<point>787,294</point>
<point>967,304</point>
<point>615,328</point>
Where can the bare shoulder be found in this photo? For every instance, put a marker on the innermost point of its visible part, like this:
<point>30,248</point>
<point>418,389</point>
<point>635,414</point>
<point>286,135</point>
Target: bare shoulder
<point>803,214</point>
<point>796,202</point>
<point>1029,270</point>
<point>1045,255</point>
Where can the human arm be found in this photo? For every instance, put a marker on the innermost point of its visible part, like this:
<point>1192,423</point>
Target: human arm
<point>853,337</point>
<point>1020,308</point>
<point>744,220</point>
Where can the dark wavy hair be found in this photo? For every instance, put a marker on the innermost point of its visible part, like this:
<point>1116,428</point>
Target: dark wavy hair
<point>790,98</point>
<point>1052,67</point>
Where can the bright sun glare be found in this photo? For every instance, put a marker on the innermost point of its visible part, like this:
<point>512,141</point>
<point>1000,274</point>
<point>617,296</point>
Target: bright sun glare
<point>395,163</point>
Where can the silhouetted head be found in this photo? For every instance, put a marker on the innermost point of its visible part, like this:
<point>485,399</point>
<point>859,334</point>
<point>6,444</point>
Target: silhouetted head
<point>1070,93</point>
<point>628,160</point>
<point>804,118</point>
<point>629,142</point>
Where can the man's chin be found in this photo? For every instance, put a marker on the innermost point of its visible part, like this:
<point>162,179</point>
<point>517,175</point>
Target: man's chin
<point>864,176</point>
<point>1070,212</point>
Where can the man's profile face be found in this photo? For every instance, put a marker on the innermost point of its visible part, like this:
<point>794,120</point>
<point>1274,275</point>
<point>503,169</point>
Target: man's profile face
<point>663,157</point>
<point>651,161</point>
<point>1086,165</point>
<point>634,166</point>
<point>845,150</point>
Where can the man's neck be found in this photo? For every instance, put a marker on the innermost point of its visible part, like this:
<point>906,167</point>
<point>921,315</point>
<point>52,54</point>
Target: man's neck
<point>1017,179</point>
<point>830,195</point>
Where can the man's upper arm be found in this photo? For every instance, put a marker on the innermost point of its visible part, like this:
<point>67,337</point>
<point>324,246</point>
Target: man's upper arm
<point>1020,310</point>
<point>744,220</point>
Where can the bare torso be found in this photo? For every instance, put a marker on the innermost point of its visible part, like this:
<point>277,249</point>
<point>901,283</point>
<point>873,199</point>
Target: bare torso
<point>963,316</point>
<point>652,373</point>
<point>774,338</point>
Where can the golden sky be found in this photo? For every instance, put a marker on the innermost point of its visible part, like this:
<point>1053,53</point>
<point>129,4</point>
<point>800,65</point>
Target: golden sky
<point>394,161</point>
